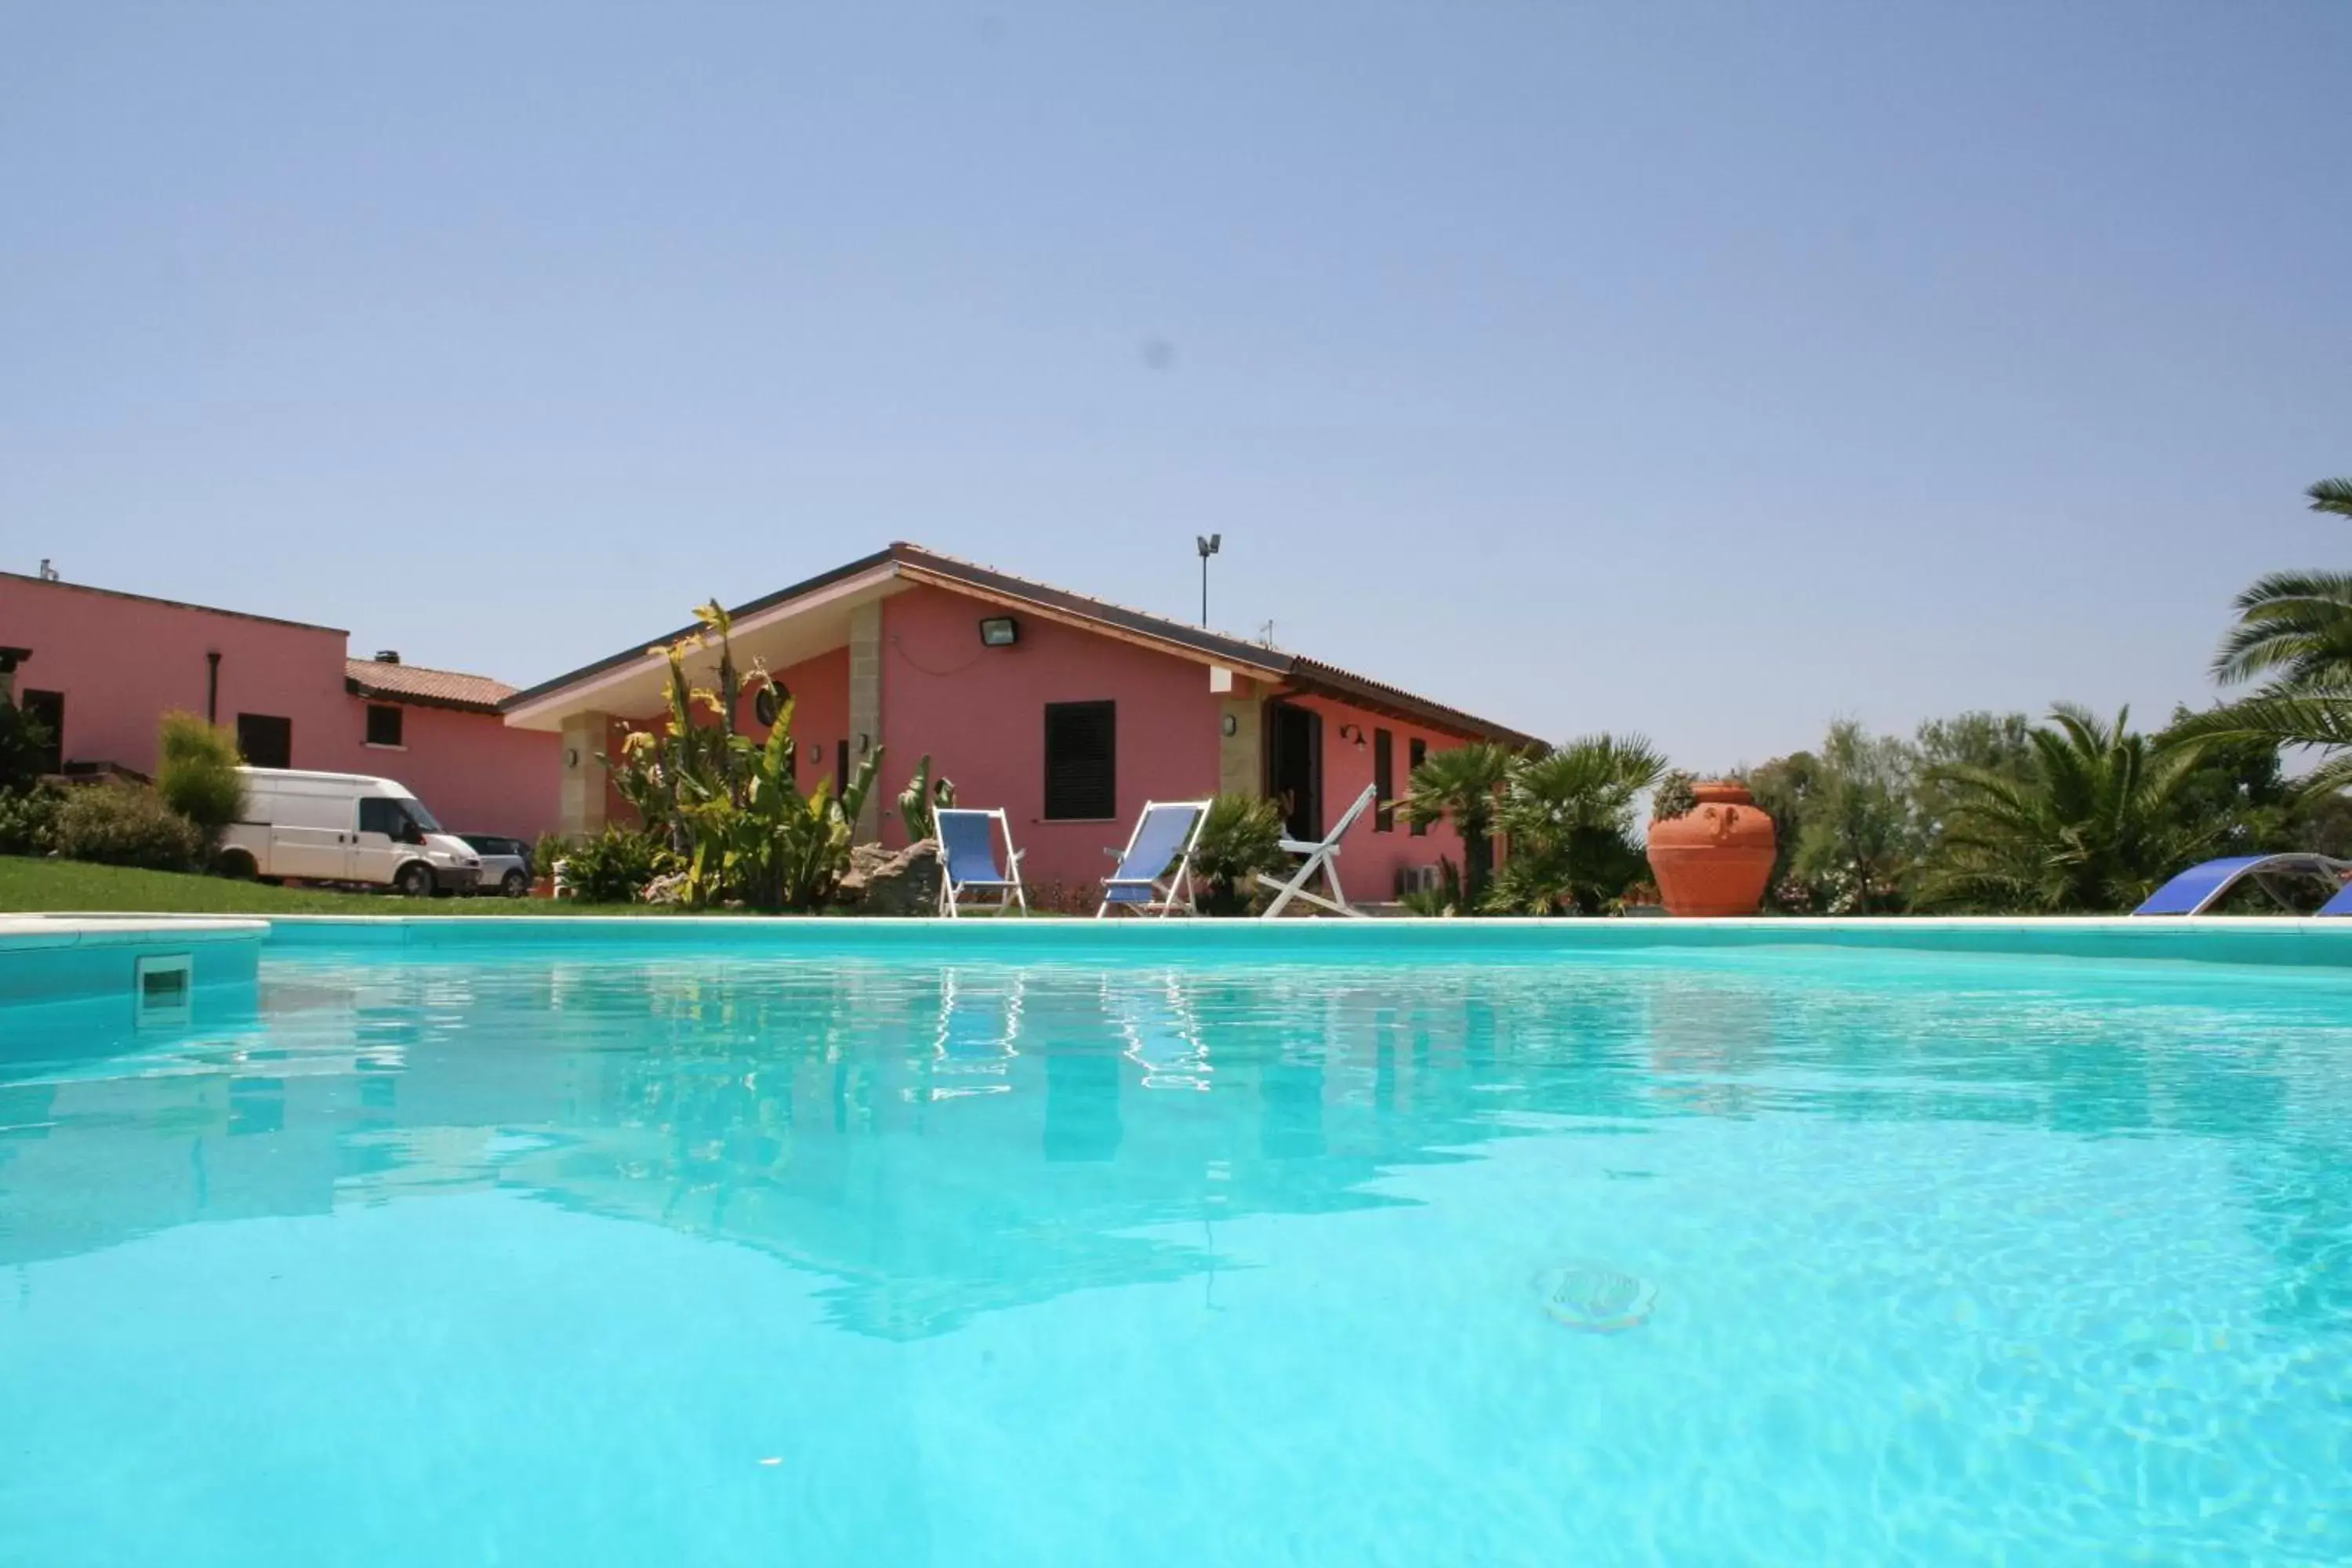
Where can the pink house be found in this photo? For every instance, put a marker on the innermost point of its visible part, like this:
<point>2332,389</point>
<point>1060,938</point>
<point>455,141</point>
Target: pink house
<point>1068,712</point>
<point>102,669</point>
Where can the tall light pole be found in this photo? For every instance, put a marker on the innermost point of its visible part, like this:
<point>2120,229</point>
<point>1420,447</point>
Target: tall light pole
<point>1208,544</point>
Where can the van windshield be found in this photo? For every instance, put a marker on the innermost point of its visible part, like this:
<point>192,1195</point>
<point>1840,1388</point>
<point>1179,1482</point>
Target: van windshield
<point>380,813</point>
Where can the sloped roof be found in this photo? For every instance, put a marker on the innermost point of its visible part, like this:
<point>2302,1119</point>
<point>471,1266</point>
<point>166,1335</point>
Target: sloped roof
<point>413,683</point>
<point>1295,672</point>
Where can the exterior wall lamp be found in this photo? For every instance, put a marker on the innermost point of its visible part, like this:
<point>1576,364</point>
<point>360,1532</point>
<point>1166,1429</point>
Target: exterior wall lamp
<point>1353,732</point>
<point>999,631</point>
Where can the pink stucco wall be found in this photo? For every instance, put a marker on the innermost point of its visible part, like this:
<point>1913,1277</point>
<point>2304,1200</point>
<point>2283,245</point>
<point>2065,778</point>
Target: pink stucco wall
<point>122,662</point>
<point>820,688</point>
<point>1368,858</point>
<point>980,714</point>
<point>477,775</point>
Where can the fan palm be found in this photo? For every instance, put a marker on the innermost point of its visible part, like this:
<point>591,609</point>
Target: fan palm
<point>2094,824</point>
<point>1463,787</point>
<point>1569,815</point>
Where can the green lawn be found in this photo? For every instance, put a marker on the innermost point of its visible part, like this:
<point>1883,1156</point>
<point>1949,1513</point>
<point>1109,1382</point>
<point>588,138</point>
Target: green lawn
<point>28,885</point>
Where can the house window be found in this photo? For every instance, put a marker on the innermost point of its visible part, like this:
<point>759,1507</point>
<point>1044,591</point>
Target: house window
<point>1416,753</point>
<point>47,709</point>
<point>267,741</point>
<point>1383,782</point>
<point>840,768</point>
<point>1081,761</point>
<point>384,724</point>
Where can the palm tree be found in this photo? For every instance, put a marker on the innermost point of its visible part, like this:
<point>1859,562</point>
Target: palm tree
<point>2093,825</point>
<point>2294,626</point>
<point>2318,716</point>
<point>1569,815</point>
<point>2297,626</point>
<point>1463,787</point>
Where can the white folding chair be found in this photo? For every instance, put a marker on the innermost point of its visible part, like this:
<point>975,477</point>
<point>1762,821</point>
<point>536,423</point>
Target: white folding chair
<point>1323,855</point>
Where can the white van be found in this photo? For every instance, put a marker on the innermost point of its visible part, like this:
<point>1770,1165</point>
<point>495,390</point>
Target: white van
<point>343,828</point>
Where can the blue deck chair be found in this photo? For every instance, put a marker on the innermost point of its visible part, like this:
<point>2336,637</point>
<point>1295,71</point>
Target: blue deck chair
<point>968,861</point>
<point>2199,888</point>
<point>1155,872</point>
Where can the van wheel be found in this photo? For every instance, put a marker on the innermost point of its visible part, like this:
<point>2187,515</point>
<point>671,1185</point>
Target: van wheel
<point>514,884</point>
<point>413,880</point>
<point>235,865</point>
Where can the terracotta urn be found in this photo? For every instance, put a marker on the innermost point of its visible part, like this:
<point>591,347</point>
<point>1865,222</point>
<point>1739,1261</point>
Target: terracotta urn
<point>1717,858</point>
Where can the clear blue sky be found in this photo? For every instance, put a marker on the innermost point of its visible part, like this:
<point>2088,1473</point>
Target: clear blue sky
<point>1710,371</point>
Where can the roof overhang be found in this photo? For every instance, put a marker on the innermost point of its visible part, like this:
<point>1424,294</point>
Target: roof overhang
<point>779,631</point>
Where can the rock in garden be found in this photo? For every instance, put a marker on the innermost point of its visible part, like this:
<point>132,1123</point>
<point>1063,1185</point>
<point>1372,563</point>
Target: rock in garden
<point>893,882</point>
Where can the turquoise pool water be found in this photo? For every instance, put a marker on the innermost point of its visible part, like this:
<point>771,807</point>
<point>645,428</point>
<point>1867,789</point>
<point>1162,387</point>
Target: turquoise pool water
<point>646,1256</point>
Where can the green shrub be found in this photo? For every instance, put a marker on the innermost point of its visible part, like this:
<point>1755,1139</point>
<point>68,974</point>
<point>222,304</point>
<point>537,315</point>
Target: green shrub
<point>614,866</point>
<point>28,820</point>
<point>1443,900</point>
<point>126,824</point>
<point>24,747</point>
<point>198,777</point>
<point>1242,837</point>
<point>549,849</point>
<point>1675,796</point>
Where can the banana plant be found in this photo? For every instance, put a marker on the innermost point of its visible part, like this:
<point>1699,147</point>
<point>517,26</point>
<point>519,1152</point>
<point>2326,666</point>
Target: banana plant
<point>731,806</point>
<point>922,798</point>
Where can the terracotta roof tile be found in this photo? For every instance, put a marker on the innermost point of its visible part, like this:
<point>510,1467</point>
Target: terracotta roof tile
<point>430,687</point>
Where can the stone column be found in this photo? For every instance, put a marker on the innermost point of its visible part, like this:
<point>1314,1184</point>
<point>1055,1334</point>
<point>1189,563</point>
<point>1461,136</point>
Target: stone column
<point>581,802</point>
<point>865,707</point>
<point>1241,740</point>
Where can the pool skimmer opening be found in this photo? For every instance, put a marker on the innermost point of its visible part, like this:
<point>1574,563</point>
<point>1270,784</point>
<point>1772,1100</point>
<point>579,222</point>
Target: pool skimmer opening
<point>162,988</point>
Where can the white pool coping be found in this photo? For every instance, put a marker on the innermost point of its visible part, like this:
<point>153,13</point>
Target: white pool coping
<point>21,931</point>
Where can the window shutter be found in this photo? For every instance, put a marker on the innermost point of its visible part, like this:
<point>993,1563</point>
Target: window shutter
<point>1081,760</point>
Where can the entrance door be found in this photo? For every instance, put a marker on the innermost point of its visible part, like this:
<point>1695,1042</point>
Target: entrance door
<point>1294,767</point>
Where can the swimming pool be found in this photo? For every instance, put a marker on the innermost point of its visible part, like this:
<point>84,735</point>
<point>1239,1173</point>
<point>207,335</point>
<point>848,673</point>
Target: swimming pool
<point>630,1249</point>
